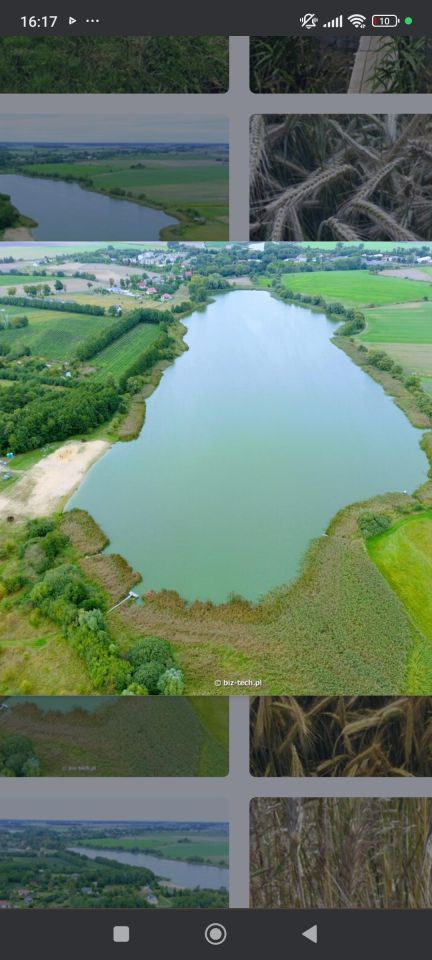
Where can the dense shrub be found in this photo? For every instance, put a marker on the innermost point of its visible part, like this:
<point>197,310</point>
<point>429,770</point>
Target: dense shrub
<point>171,683</point>
<point>371,524</point>
<point>17,757</point>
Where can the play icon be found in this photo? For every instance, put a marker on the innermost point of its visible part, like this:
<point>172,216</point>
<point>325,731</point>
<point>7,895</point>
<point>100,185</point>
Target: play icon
<point>311,934</point>
<point>71,21</point>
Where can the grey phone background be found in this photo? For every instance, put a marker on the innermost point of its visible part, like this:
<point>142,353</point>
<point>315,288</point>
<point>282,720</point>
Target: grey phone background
<point>94,798</point>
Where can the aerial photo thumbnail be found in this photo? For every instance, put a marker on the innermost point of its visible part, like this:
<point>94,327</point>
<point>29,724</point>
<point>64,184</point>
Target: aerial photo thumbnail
<point>147,865</point>
<point>114,174</point>
<point>113,64</point>
<point>341,853</point>
<point>113,737</point>
<point>215,469</point>
<point>341,64</point>
<point>341,737</point>
<point>341,177</point>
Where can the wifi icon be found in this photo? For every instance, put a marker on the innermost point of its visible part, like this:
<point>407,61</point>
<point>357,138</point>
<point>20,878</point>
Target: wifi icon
<point>357,20</point>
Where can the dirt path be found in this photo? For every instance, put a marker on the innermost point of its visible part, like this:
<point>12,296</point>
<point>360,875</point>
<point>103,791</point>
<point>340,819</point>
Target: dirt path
<point>43,488</point>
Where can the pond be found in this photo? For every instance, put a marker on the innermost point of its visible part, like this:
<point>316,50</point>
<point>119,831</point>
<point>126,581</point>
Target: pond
<point>64,211</point>
<point>252,442</point>
<point>177,872</point>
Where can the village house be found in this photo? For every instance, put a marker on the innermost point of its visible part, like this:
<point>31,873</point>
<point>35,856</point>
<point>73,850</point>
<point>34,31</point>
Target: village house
<point>166,296</point>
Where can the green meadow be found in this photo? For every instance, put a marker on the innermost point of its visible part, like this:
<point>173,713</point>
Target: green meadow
<point>354,287</point>
<point>404,556</point>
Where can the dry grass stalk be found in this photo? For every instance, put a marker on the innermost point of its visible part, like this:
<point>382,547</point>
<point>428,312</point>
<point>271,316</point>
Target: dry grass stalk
<point>341,736</point>
<point>341,853</point>
<point>330,168</point>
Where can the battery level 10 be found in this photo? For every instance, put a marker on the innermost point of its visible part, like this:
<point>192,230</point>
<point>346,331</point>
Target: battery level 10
<point>389,20</point>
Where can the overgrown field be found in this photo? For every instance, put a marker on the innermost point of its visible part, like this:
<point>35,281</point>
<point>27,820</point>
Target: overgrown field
<point>127,736</point>
<point>341,853</point>
<point>341,736</point>
<point>114,64</point>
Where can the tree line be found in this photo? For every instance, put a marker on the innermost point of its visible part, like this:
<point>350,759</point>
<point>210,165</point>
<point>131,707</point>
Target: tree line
<point>71,307</point>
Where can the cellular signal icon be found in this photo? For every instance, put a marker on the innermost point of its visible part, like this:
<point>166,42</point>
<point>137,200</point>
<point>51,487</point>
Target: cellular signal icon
<point>334,24</point>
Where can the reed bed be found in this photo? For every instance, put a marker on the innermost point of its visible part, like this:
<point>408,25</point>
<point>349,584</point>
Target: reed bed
<point>339,853</point>
<point>341,736</point>
<point>341,177</point>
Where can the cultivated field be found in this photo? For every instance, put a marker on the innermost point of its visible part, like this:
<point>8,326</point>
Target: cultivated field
<point>409,323</point>
<point>124,736</point>
<point>50,334</point>
<point>116,358</point>
<point>211,847</point>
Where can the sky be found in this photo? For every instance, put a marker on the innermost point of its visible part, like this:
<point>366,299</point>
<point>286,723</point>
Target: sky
<point>130,124</point>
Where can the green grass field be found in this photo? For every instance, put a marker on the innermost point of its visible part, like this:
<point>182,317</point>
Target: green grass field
<point>212,847</point>
<point>116,358</point>
<point>404,556</point>
<point>50,334</point>
<point>12,280</point>
<point>358,287</point>
<point>399,323</point>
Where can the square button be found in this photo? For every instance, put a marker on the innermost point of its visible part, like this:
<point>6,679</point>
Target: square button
<point>121,934</point>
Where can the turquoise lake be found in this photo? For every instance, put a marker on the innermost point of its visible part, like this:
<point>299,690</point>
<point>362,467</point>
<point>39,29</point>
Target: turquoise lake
<point>254,439</point>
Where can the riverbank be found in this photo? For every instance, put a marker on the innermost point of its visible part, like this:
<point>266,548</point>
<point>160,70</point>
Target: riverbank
<point>46,486</point>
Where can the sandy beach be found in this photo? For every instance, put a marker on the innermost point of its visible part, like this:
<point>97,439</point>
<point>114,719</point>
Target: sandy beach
<point>17,233</point>
<point>45,486</point>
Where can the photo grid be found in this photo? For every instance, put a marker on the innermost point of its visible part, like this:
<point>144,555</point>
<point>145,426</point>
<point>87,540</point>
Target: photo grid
<point>215,472</point>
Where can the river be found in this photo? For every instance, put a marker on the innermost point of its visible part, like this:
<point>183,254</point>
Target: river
<point>253,440</point>
<point>64,211</point>
<point>177,872</point>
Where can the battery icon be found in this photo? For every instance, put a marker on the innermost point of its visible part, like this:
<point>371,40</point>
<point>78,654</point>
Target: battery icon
<point>389,20</point>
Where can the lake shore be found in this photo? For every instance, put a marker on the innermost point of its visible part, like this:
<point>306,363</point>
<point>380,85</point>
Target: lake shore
<point>44,488</point>
<point>174,231</point>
